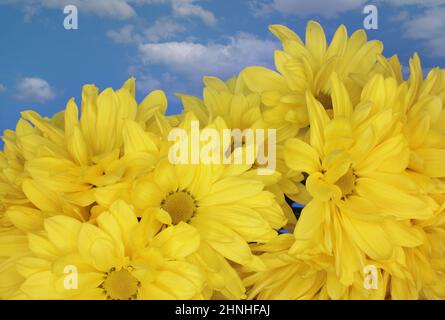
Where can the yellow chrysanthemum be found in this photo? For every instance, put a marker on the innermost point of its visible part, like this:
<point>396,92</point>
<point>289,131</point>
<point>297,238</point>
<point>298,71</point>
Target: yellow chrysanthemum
<point>241,109</point>
<point>308,67</point>
<point>61,165</point>
<point>119,259</point>
<point>229,100</point>
<point>76,156</point>
<point>414,269</point>
<point>356,163</point>
<point>290,278</point>
<point>225,203</point>
<point>422,103</point>
<point>412,272</point>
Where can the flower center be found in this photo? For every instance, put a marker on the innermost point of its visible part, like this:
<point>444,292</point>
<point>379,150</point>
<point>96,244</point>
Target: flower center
<point>180,205</point>
<point>347,183</point>
<point>120,285</point>
<point>325,99</point>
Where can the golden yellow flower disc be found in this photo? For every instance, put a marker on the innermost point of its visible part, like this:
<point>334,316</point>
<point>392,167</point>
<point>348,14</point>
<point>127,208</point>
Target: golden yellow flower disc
<point>347,183</point>
<point>180,205</point>
<point>121,285</point>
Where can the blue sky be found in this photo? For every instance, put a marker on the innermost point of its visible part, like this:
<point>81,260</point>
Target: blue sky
<point>171,44</point>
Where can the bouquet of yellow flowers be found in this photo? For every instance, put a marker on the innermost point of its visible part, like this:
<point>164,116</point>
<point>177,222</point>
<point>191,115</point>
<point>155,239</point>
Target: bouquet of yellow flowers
<point>117,200</point>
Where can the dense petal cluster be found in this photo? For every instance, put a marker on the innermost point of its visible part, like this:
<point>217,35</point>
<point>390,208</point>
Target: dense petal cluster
<point>92,206</point>
<point>372,152</point>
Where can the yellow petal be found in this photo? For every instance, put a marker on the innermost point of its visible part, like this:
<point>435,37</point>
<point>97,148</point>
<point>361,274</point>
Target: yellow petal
<point>312,216</point>
<point>339,43</point>
<point>130,85</point>
<point>225,241</point>
<point>365,233</point>
<point>434,162</point>
<point>302,157</point>
<point>230,190</point>
<point>316,40</point>
<point>260,79</point>
<point>136,140</point>
<point>284,33</point>
<point>177,241</point>
<point>63,232</point>
<point>156,99</point>
<point>98,247</point>
<point>341,102</point>
<point>25,218</point>
<point>45,201</point>
<point>320,189</point>
<point>41,247</point>
<point>41,285</point>
<point>318,119</point>
<point>245,221</point>
<point>393,200</point>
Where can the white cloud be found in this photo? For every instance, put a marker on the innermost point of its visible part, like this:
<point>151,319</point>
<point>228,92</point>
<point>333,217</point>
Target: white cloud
<point>2,88</point>
<point>429,26</point>
<point>117,9</point>
<point>163,28</point>
<point>30,11</point>
<point>194,60</point>
<point>429,23</point>
<point>187,8</point>
<point>304,8</point>
<point>414,2</point>
<point>324,8</point>
<point>124,35</point>
<point>143,2</point>
<point>34,89</point>
<point>423,21</point>
<point>184,8</point>
<point>148,82</point>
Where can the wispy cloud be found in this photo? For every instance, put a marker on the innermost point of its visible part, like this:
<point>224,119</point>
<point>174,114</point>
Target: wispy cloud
<point>31,89</point>
<point>125,34</point>
<point>116,9</point>
<point>426,23</point>
<point>414,2</point>
<point>304,8</point>
<point>163,28</point>
<point>428,26</point>
<point>150,82</point>
<point>418,19</point>
<point>188,8</point>
<point>2,88</point>
<point>194,60</point>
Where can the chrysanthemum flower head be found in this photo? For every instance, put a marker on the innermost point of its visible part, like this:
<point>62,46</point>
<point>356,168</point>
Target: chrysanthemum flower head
<point>241,109</point>
<point>120,258</point>
<point>225,203</point>
<point>229,100</point>
<point>65,164</point>
<point>425,119</point>
<point>77,156</point>
<point>356,163</point>
<point>308,67</point>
